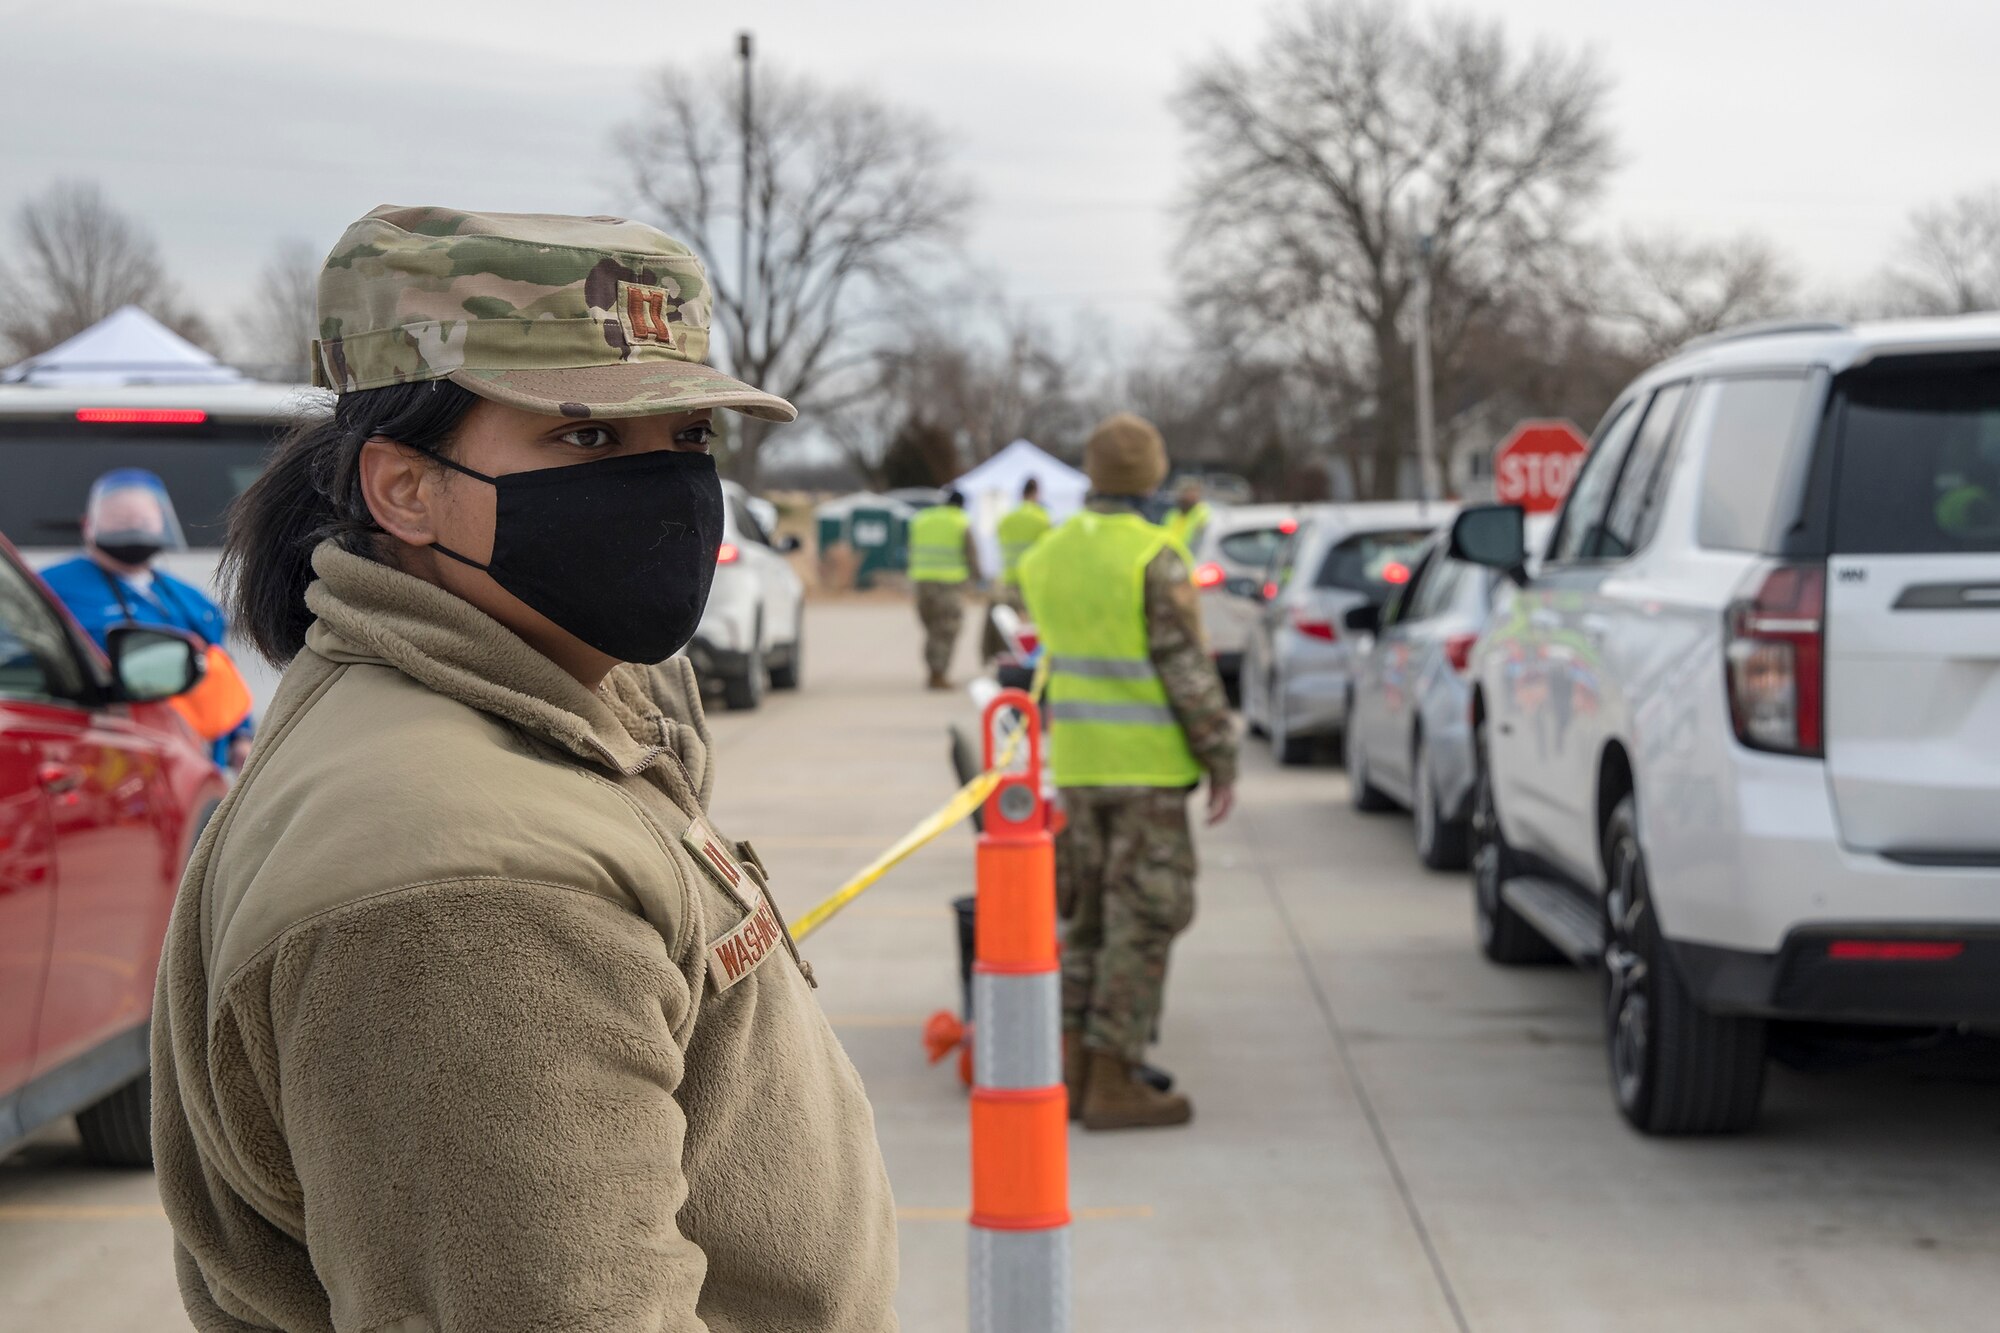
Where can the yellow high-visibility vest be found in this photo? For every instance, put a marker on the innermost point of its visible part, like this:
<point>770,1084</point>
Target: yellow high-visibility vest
<point>1019,531</point>
<point>937,545</point>
<point>1110,724</point>
<point>1185,526</point>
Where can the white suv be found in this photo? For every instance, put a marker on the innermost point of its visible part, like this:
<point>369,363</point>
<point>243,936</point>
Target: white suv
<point>1738,737</point>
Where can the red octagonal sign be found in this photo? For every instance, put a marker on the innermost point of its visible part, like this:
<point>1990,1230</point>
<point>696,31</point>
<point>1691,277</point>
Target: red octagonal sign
<point>1535,465</point>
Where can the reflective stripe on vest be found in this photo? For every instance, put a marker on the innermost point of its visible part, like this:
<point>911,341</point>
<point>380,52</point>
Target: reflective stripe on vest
<point>937,545</point>
<point>1110,722</point>
<point>1018,533</point>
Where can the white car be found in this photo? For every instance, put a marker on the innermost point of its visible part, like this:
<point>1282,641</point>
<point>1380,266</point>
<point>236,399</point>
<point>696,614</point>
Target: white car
<point>1738,738</point>
<point>753,630</point>
<point>1230,557</point>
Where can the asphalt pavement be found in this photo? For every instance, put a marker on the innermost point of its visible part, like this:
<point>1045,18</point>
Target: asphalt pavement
<point>1389,1133</point>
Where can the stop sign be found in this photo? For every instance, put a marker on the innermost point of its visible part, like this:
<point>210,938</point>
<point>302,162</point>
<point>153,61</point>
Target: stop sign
<point>1534,466</point>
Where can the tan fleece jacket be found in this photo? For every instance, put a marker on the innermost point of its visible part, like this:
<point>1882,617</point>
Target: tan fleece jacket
<point>436,1047</point>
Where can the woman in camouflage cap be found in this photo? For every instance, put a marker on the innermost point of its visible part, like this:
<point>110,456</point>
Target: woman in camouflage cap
<point>469,1019</point>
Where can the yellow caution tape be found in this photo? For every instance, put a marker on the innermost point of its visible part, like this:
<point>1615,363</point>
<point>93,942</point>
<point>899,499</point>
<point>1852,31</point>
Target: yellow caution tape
<point>966,800</point>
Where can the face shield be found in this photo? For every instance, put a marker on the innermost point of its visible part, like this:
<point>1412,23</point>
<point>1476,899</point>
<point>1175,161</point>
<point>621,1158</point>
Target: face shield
<point>130,517</point>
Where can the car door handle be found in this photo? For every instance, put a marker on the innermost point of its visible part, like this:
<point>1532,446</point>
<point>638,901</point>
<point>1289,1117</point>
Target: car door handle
<point>59,779</point>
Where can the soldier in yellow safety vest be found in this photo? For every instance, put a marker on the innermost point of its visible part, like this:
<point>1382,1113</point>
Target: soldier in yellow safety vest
<point>1136,716</point>
<point>942,562</point>
<point>1190,514</point>
<point>1019,530</point>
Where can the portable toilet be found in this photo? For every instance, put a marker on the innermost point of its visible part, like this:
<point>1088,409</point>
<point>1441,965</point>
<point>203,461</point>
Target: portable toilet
<point>880,536</point>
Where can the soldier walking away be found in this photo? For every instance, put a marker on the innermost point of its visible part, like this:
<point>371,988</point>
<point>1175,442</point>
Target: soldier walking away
<point>1190,514</point>
<point>942,563</point>
<point>1137,715</point>
<point>469,1019</point>
<point>1020,529</point>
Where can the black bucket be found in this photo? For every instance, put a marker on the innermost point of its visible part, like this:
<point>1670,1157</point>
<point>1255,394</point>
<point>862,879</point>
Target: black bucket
<point>966,909</point>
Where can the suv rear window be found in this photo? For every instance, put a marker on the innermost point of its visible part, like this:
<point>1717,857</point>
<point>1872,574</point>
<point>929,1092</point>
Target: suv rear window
<point>1918,463</point>
<point>1252,546</point>
<point>1363,562</point>
<point>49,466</point>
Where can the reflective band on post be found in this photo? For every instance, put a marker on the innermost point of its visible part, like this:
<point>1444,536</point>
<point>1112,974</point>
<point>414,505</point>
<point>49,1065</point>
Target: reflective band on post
<point>1017,906</point>
<point>1103,668</point>
<point>1020,1158</point>
<point>1021,1281</point>
<point>1151,715</point>
<point>1016,1012</point>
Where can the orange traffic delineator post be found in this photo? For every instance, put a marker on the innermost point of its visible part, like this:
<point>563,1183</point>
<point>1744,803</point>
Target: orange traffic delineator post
<point>1020,1258</point>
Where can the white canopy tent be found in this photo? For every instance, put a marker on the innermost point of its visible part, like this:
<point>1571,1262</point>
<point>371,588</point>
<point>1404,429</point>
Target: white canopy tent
<point>994,487</point>
<point>128,346</point>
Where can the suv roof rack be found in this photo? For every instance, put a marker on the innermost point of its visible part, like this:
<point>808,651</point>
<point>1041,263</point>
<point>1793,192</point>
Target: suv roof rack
<point>1764,328</point>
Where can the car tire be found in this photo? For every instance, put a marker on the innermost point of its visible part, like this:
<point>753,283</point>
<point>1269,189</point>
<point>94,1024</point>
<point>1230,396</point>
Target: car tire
<point>785,675</point>
<point>1442,843</point>
<point>1289,750</point>
<point>118,1131</point>
<point>1361,793</point>
<point>746,690</point>
<point>1676,1069</point>
<point>1504,935</point>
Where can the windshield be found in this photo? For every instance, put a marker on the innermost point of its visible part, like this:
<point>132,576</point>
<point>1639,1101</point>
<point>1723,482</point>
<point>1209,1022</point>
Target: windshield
<point>50,466</point>
<point>1373,562</point>
<point>1919,462</point>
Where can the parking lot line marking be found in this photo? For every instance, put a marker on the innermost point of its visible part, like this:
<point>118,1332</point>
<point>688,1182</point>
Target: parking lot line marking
<point>80,1212</point>
<point>1139,1212</point>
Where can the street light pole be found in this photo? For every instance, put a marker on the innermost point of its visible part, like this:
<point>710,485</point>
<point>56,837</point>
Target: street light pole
<point>1426,426</point>
<point>743,48</point>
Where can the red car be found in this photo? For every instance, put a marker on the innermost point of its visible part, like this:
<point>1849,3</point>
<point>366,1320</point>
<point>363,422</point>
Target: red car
<point>103,790</point>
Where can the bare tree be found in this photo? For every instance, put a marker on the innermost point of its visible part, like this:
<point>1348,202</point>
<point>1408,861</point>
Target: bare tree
<point>849,198</point>
<point>1665,289</point>
<point>1354,129</point>
<point>74,258</point>
<point>1949,263</point>
<point>280,323</point>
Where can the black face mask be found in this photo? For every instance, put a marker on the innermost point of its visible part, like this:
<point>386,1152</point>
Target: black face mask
<point>129,548</point>
<point>619,552</point>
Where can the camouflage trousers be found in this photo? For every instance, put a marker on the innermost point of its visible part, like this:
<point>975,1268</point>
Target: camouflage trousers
<point>1125,887</point>
<point>941,608</point>
<point>1006,594</point>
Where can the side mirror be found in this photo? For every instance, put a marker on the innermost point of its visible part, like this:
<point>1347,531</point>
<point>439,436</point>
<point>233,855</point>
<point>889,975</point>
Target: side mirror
<point>789,543</point>
<point>154,664</point>
<point>1364,619</point>
<point>1494,536</point>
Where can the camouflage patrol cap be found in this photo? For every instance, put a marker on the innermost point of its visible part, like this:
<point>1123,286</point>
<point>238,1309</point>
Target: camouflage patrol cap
<point>570,316</point>
<point>1125,456</point>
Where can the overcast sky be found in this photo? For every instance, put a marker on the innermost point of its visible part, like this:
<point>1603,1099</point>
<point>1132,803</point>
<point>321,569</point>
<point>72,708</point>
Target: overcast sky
<point>228,124</point>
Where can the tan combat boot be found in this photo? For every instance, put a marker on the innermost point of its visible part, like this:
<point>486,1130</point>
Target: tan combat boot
<point>938,681</point>
<point>1114,1099</point>
<point>1075,1062</point>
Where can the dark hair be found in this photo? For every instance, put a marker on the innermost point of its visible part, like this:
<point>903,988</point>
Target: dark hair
<point>1033,487</point>
<point>310,492</point>
<point>955,498</point>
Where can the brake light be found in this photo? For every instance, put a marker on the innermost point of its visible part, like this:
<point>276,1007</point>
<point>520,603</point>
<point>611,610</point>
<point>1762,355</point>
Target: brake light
<point>141,416</point>
<point>1288,526</point>
<point>728,555</point>
<point>1775,653</point>
<point>1458,651</point>
<point>1895,951</point>
<point>1270,592</point>
<point>1313,627</point>
<point>1395,572</point>
<point>1210,576</point>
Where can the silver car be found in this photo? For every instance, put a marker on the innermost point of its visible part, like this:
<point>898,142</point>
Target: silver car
<point>1296,659</point>
<point>752,633</point>
<point>1409,732</point>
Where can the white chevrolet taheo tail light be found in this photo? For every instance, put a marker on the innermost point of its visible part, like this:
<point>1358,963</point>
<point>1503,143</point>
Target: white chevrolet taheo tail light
<point>1776,638</point>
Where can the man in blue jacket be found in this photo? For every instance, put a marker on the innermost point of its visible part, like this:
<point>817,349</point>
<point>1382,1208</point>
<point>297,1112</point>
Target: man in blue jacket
<point>129,520</point>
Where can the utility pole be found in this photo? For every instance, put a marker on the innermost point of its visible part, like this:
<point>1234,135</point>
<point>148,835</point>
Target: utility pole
<point>743,48</point>
<point>1426,426</point>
